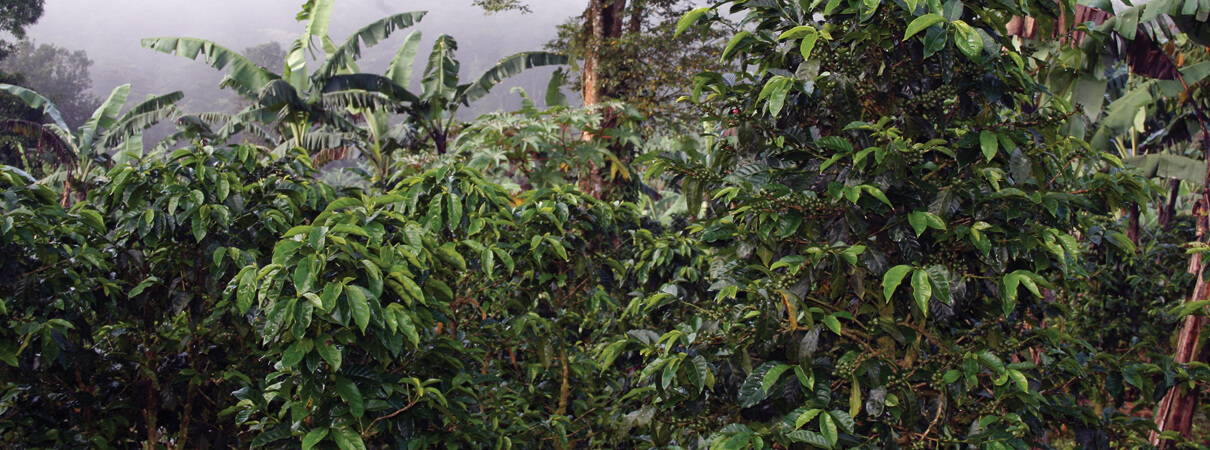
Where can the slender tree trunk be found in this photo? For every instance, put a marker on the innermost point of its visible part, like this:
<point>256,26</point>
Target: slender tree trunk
<point>1132,228</point>
<point>1176,410</point>
<point>603,24</point>
<point>596,31</point>
<point>637,10</point>
<point>150,411</point>
<point>1169,209</point>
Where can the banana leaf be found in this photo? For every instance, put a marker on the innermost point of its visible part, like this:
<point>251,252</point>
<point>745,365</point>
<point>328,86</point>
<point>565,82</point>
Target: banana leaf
<point>1169,166</point>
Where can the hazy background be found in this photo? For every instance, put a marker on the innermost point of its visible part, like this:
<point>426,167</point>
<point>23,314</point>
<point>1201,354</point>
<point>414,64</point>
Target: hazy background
<point>110,32</point>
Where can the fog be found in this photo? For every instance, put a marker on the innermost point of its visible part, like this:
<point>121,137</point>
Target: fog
<point>110,33</point>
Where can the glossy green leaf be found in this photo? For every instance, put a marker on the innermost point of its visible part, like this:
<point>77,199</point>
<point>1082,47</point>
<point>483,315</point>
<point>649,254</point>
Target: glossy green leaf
<point>303,275</point>
<point>892,279</point>
<point>773,375</point>
<point>939,281</point>
<point>734,44</point>
<point>969,42</point>
<point>805,378</point>
<point>347,439</point>
<point>412,289</point>
<point>752,390</point>
<point>919,222</point>
<point>448,254</point>
<point>1019,379</point>
<point>313,438</point>
<point>359,306</point>
<point>809,437</point>
<point>832,323</point>
<point>690,18</point>
<point>351,394</point>
<point>922,290</point>
<point>696,371</point>
<point>989,144</point>
<point>806,417</point>
<point>328,350</point>
<point>295,353</point>
<point>827,428</point>
<point>407,327</point>
<point>991,361</point>
<point>506,259</point>
<point>921,23</point>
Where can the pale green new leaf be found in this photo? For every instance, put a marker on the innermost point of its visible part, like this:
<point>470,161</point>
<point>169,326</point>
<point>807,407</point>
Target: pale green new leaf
<point>806,417</point>
<point>827,427</point>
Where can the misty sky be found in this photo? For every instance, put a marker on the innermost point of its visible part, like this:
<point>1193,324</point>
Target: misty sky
<point>110,32</point>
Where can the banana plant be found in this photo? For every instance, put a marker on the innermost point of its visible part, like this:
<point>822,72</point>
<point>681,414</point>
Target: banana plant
<point>441,95</point>
<point>309,110</point>
<point>430,118</point>
<point>107,136</point>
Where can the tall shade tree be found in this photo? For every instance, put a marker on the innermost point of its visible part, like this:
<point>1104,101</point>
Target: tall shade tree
<point>59,74</point>
<point>627,49</point>
<point>15,15</point>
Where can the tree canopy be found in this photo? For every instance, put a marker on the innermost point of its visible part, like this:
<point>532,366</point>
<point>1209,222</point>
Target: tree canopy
<point>874,225</point>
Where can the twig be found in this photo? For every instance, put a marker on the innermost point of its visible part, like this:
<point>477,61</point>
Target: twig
<point>937,417</point>
<point>367,433</point>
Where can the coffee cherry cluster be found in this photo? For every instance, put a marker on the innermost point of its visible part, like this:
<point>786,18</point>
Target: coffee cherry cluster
<point>929,104</point>
<point>898,381</point>
<point>796,201</point>
<point>937,381</point>
<point>846,369</point>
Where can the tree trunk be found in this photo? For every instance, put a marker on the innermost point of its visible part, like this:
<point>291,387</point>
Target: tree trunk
<point>1132,228</point>
<point>637,10</point>
<point>1176,410</point>
<point>603,24</point>
<point>595,25</point>
<point>1169,209</point>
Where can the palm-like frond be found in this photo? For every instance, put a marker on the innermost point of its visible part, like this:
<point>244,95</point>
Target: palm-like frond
<point>103,118</point>
<point>361,100</point>
<point>509,67</point>
<point>317,141</point>
<point>400,70</point>
<point>441,73</point>
<point>48,139</point>
<point>368,36</point>
<point>245,77</point>
<point>317,14</point>
<point>1169,166</point>
<point>143,116</point>
<point>36,101</point>
<point>369,83</point>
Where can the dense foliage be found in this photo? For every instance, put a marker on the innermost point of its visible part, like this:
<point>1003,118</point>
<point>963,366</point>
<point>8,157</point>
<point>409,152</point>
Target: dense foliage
<point>888,237</point>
